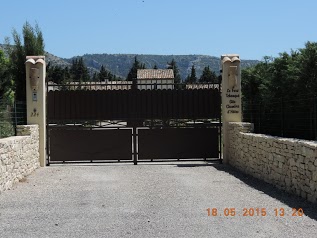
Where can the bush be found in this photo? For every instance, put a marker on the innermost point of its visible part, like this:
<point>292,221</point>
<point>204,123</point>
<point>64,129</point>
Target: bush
<point>7,127</point>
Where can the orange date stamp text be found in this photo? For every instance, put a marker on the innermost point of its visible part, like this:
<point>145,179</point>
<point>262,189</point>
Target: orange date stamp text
<point>256,211</point>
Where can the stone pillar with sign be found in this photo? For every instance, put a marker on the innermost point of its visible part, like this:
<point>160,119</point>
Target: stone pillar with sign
<point>36,99</point>
<point>231,96</point>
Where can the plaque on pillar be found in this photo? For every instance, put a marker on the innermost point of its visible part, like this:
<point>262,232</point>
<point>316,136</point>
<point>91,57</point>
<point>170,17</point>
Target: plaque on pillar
<point>231,96</point>
<point>36,99</point>
<point>231,88</point>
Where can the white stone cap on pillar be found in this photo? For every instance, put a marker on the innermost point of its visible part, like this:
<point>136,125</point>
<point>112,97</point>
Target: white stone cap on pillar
<point>230,58</point>
<point>35,59</point>
<point>230,55</point>
<point>36,99</point>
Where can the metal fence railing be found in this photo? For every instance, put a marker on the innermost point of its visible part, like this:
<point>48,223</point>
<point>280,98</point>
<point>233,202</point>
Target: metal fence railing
<point>11,115</point>
<point>293,118</point>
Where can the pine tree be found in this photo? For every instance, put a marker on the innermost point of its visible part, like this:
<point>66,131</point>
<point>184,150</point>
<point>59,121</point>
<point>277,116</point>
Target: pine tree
<point>102,76</point>
<point>67,76</point>
<point>208,76</point>
<point>57,74</point>
<point>192,77</point>
<point>95,77</point>
<point>133,71</point>
<point>187,80</point>
<point>6,83</point>
<point>32,44</point>
<point>173,65</point>
<point>106,75</point>
<point>79,72</point>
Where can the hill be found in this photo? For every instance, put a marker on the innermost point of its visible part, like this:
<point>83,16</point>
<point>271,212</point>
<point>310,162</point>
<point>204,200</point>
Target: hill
<point>120,64</point>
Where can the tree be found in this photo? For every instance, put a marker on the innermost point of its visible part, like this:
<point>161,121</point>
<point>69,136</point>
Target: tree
<point>32,44</point>
<point>133,71</point>
<point>279,94</point>
<point>105,74</point>
<point>173,65</point>
<point>95,77</point>
<point>307,68</point>
<point>79,71</point>
<point>155,66</point>
<point>192,78</point>
<point>57,74</point>
<point>208,76</point>
<point>6,83</point>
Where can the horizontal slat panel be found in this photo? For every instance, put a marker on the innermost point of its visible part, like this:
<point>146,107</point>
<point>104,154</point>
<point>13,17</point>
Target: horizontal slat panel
<point>133,104</point>
<point>178,143</point>
<point>85,144</point>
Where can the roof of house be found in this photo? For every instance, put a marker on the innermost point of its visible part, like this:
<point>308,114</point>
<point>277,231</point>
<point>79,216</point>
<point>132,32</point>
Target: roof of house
<point>155,74</point>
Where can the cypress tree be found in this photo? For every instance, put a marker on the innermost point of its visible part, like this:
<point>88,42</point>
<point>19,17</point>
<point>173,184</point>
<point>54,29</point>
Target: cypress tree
<point>173,65</point>
<point>208,76</point>
<point>192,77</point>
<point>133,71</point>
<point>32,44</point>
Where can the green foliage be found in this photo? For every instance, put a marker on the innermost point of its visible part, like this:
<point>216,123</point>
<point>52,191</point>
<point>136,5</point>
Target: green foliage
<point>6,125</point>
<point>78,71</point>
<point>173,65</point>
<point>6,82</point>
<point>106,75</point>
<point>192,78</point>
<point>208,76</point>
<point>32,44</point>
<point>57,74</point>
<point>278,87</point>
<point>120,64</point>
<point>306,71</point>
<point>95,77</point>
<point>133,71</point>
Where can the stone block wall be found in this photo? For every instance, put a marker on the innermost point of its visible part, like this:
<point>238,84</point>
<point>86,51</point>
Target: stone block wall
<point>19,156</point>
<point>289,164</point>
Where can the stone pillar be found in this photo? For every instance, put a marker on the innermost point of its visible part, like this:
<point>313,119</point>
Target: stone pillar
<point>231,96</point>
<point>36,99</point>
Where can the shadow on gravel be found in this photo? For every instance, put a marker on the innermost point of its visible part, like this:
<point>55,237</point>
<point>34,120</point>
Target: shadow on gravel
<point>197,165</point>
<point>182,163</point>
<point>291,200</point>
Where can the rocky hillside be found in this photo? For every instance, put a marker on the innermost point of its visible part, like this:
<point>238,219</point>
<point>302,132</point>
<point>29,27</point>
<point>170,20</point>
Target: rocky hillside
<point>120,64</point>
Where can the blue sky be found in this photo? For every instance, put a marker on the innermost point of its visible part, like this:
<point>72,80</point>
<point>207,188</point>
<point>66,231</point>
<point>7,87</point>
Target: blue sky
<point>252,29</point>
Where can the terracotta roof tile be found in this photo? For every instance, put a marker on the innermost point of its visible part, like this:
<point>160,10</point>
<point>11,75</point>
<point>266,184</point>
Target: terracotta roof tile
<point>155,74</point>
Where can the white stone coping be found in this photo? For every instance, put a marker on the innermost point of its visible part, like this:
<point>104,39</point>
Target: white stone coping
<point>290,141</point>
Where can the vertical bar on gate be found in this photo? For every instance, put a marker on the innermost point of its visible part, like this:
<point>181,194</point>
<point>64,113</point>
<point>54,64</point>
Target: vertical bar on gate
<point>282,117</point>
<point>134,122</point>
<point>47,127</point>
<point>15,118</point>
<point>315,118</point>
<point>134,139</point>
<point>219,118</point>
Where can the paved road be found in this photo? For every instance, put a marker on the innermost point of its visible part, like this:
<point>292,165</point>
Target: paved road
<point>148,200</point>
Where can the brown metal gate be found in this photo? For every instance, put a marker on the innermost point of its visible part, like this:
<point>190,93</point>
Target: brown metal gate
<point>91,123</point>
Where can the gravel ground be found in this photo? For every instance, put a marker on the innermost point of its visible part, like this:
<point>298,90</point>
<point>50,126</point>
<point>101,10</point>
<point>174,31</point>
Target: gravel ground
<point>149,200</point>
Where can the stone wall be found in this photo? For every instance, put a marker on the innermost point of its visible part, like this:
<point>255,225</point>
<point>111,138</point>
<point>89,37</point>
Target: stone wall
<point>19,156</point>
<point>289,164</point>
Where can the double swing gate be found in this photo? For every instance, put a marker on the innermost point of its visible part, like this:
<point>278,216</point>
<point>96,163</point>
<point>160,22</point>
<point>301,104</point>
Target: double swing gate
<point>97,123</point>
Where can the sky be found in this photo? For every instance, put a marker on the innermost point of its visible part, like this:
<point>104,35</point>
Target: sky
<point>252,29</point>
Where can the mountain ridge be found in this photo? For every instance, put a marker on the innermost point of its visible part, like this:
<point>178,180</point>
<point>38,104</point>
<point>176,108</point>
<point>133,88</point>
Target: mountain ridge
<point>120,64</point>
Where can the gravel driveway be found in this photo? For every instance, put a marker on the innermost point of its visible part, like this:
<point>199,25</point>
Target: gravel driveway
<point>150,200</point>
